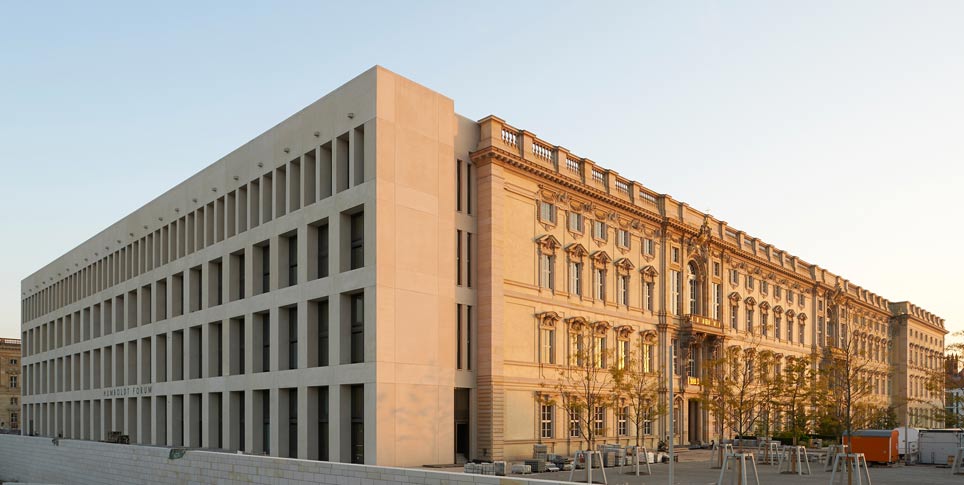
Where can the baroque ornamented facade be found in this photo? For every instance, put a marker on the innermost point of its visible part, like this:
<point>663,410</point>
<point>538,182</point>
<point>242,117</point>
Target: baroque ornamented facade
<point>378,279</point>
<point>10,383</point>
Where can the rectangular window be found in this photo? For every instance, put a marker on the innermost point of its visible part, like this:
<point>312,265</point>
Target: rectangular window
<point>323,250</point>
<point>357,320</point>
<point>734,277</point>
<point>322,323</point>
<point>764,286</point>
<point>599,420</point>
<point>292,260</point>
<point>599,350</point>
<point>458,257</point>
<point>763,324</point>
<point>649,357</point>
<point>749,320</point>
<point>599,230</point>
<point>458,185</point>
<point>716,269</point>
<point>777,328</point>
<point>801,333</point>
<point>777,291</point>
<point>676,288</point>
<point>547,212</point>
<point>649,247</point>
<point>547,265</point>
<point>623,238</point>
<point>265,268</point>
<point>575,278</point>
<point>576,349</point>
<point>674,254</point>
<point>648,289</point>
<point>458,336</point>
<point>621,424</point>
<point>545,421</point>
<point>622,360</point>
<point>624,289</point>
<point>749,282</point>
<point>468,259</point>
<point>790,296</point>
<point>357,248</point>
<point>547,346</point>
<point>574,428</point>
<point>734,316</point>
<point>717,301</point>
<point>803,299</point>
<point>575,222</point>
<point>599,275</point>
<point>357,441</point>
<point>293,338</point>
<point>468,337</point>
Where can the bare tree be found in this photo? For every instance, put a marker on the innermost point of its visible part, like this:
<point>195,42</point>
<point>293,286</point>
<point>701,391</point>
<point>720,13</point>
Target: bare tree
<point>799,388</point>
<point>848,370</point>
<point>636,386</point>
<point>585,384</point>
<point>734,395</point>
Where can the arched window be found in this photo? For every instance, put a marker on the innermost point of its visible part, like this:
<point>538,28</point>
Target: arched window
<point>692,278</point>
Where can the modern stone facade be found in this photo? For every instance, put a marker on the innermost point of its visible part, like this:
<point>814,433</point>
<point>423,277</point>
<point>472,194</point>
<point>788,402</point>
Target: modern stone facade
<point>380,280</point>
<point>10,383</point>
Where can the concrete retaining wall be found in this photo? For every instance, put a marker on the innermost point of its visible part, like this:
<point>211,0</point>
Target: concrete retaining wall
<point>33,459</point>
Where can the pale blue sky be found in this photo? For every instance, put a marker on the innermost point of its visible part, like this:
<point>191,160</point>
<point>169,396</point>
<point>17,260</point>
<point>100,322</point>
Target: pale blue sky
<point>834,130</point>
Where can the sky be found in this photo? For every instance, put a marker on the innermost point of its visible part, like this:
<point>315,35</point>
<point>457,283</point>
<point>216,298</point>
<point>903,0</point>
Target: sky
<point>833,130</point>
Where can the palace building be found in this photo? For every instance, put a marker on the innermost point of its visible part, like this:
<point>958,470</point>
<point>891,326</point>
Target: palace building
<point>380,280</point>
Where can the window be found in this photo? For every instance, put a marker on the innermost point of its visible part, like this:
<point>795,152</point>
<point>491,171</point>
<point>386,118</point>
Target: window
<point>803,299</point>
<point>293,337</point>
<point>734,277</point>
<point>323,250</point>
<point>621,422</point>
<point>717,301</point>
<point>575,222</point>
<point>357,320</point>
<point>749,320</point>
<point>777,291</point>
<point>623,238</point>
<point>357,248</point>
<point>265,268</point>
<point>749,282</point>
<point>622,360</point>
<point>13,401</point>
<point>674,254</point>
<point>292,260</point>
<point>576,349</point>
<point>777,331</point>
<point>624,289</point>
<point>599,352</point>
<point>801,332</point>
<point>574,431</point>
<point>649,357</point>
<point>545,421</point>
<point>468,259</point>
<point>763,324</point>
<point>547,212</point>
<point>676,287</point>
<point>547,346</point>
<point>600,282</point>
<point>716,269</point>
<point>547,264</point>
<point>790,296</point>
<point>648,289</point>
<point>13,361</point>
<point>648,427</point>
<point>649,247</point>
<point>599,420</point>
<point>694,287</point>
<point>575,278</point>
<point>13,382</point>
<point>599,230</point>
<point>764,286</point>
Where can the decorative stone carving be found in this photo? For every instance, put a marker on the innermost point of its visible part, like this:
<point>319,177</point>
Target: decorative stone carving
<point>649,274</point>
<point>548,319</point>
<point>576,251</point>
<point>600,259</point>
<point>649,336</point>
<point>548,244</point>
<point>624,265</point>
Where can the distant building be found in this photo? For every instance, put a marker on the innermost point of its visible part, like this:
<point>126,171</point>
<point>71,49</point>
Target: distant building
<point>380,280</point>
<point>10,384</point>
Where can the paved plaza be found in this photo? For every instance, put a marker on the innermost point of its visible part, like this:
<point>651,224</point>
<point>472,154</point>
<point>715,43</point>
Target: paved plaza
<point>693,469</point>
